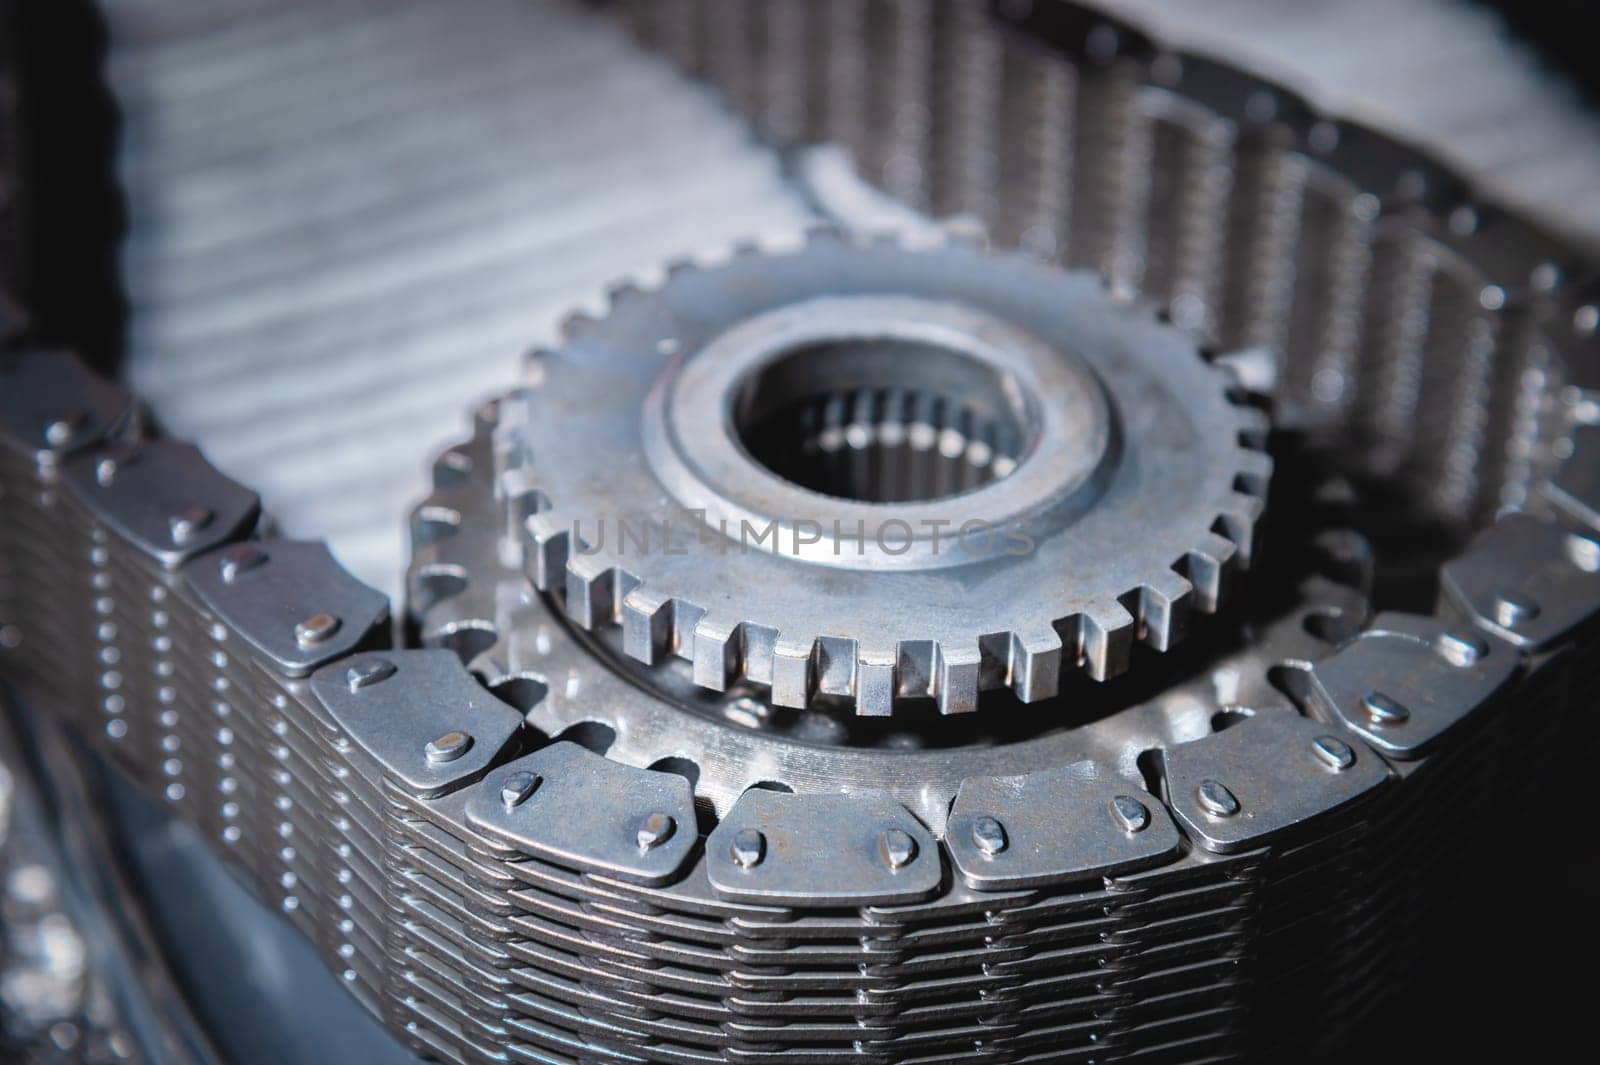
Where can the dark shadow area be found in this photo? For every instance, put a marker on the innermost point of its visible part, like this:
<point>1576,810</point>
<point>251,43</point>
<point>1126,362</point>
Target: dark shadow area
<point>71,201</point>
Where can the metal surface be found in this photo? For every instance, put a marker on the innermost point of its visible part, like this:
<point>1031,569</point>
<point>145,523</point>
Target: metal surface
<point>823,906</point>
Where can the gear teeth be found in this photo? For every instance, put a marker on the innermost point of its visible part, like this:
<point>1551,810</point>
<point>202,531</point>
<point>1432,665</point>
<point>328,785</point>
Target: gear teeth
<point>433,523</point>
<point>595,590</point>
<point>466,610</point>
<point>1162,608</point>
<point>1104,640</point>
<point>546,547</point>
<point>1254,426</point>
<point>1209,567</point>
<point>577,323</point>
<point>957,681</point>
<point>827,234</point>
<point>875,681</point>
<point>648,627</point>
<point>518,503</point>
<point>715,658</point>
<point>916,673</point>
<point>535,366</point>
<point>451,469</point>
<point>452,611</point>
<point>1254,472</point>
<point>757,645</point>
<point>836,667</point>
<point>793,673</point>
<point>1029,663</point>
<point>678,267</point>
<point>621,293</point>
<point>432,583</point>
<point>1238,521</point>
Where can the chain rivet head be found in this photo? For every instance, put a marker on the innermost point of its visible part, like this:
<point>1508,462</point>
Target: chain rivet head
<point>367,672</point>
<point>60,432</point>
<point>1512,609</point>
<point>748,848</point>
<point>240,559</point>
<point>1216,799</point>
<point>187,523</point>
<point>989,836</point>
<point>897,848</point>
<point>655,829</point>
<point>318,628</point>
<point>447,747</point>
<point>1384,709</point>
<point>516,788</point>
<point>1130,814</point>
<point>1333,752</point>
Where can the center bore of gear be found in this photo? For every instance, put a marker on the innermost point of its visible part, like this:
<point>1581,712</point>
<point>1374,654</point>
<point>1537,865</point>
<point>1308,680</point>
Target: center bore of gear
<point>884,421</point>
<point>873,476</point>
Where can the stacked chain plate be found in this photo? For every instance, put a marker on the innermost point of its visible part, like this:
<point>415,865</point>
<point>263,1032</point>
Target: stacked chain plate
<point>499,897</point>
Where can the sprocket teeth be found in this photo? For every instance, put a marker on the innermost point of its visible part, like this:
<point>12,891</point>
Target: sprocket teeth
<point>535,367</point>
<point>715,656</point>
<point>1253,426</point>
<point>1162,607</point>
<point>679,266</point>
<point>793,679</point>
<point>647,624</point>
<point>595,590</point>
<point>1104,639</point>
<point>432,583</point>
<point>958,670</point>
<point>546,547</point>
<point>1028,662</point>
<point>916,670</point>
<point>452,468</point>
<point>1254,472</point>
<point>1209,567</point>
<point>836,667</point>
<point>875,687</point>
<point>1237,520</point>
<point>468,609</point>
<point>577,324</point>
<point>621,293</point>
<point>827,234</point>
<point>431,524</point>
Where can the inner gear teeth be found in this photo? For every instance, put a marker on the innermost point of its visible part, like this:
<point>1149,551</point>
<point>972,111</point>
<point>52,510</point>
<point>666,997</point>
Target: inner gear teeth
<point>884,445</point>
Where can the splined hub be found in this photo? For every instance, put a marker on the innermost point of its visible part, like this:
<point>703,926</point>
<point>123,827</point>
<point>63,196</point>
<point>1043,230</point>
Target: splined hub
<point>872,475</point>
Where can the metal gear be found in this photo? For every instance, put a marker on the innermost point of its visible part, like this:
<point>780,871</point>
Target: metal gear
<point>469,593</point>
<point>994,472</point>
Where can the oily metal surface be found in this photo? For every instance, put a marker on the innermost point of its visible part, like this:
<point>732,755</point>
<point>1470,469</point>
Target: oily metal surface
<point>426,836</point>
